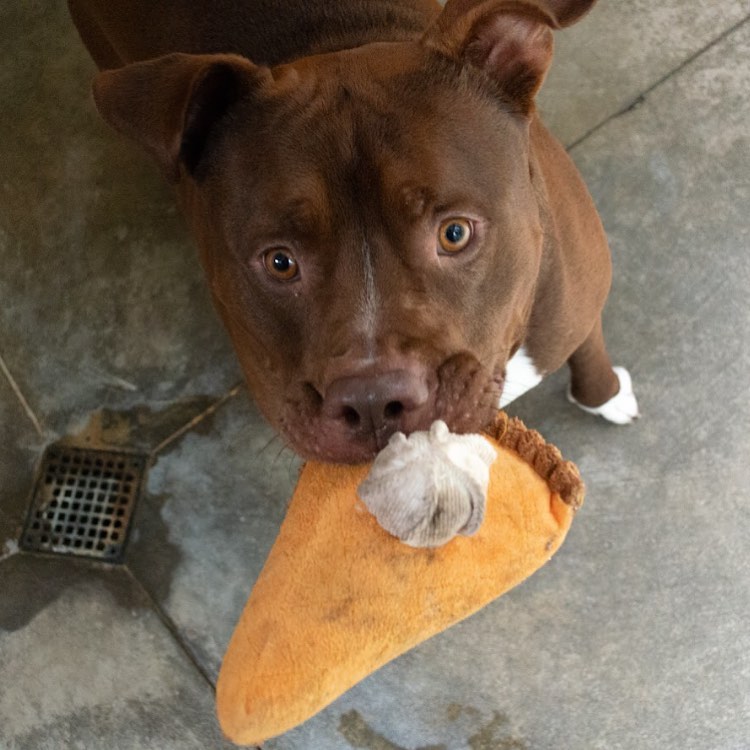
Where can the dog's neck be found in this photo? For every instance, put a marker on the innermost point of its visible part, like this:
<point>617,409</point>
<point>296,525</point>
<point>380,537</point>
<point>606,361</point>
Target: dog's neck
<point>277,33</point>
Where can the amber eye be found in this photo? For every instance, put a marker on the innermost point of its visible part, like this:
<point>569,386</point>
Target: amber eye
<point>454,235</point>
<point>280,263</point>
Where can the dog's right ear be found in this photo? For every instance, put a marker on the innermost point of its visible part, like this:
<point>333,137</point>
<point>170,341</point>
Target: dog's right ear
<point>173,105</point>
<point>510,40</point>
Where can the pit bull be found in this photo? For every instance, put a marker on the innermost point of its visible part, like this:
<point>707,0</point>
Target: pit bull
<point>388,231</point>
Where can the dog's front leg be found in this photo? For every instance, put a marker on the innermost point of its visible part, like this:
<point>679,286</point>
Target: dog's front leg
<point>596,386</point>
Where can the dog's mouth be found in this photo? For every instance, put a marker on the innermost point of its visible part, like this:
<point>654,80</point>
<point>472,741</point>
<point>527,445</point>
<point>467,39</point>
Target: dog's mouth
<point>355,417</point>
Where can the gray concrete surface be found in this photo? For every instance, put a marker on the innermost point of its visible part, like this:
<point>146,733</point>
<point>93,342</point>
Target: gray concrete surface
<point>635,636</point>
<point>621,50</point>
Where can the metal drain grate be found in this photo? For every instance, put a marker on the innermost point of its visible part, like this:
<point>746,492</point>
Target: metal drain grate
<point>83,502</point>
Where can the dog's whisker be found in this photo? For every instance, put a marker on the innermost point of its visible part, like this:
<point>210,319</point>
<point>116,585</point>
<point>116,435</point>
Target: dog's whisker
<point>273,439</point>
<point>283,448</point>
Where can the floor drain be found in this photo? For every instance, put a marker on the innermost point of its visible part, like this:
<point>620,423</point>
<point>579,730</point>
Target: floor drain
<point>83,502</point>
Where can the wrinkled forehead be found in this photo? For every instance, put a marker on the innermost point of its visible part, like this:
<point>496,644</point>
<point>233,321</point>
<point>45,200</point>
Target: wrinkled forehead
<point>386,116</point>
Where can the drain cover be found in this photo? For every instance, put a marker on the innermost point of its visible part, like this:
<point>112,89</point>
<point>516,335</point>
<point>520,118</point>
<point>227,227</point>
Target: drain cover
<point>83,502</point>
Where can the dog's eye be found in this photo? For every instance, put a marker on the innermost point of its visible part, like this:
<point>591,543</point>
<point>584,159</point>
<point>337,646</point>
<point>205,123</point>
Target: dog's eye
<point>280,263</point>
<point>454,235</point>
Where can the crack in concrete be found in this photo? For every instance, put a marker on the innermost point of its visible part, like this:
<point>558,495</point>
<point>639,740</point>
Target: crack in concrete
<point>643,95</point>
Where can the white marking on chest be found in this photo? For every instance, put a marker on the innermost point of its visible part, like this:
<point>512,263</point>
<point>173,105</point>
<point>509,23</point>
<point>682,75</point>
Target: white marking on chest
<point>521,375</point>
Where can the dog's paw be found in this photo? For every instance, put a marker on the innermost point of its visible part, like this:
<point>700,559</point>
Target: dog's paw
<point>621,408</point>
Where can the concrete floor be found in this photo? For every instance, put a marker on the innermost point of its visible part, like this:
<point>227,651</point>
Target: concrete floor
<point>636,635</point>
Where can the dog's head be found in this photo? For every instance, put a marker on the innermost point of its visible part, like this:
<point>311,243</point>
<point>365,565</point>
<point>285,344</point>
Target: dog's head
<point>366,219</point>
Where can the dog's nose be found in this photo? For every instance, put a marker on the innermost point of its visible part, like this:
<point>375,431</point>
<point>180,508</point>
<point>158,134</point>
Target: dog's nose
<point>377,404</point>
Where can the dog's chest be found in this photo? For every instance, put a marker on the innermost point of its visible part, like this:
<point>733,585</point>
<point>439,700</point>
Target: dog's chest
<point>521,375</point>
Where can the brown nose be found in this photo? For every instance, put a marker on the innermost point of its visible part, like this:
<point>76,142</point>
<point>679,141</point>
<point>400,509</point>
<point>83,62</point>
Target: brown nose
<point>377,405</point>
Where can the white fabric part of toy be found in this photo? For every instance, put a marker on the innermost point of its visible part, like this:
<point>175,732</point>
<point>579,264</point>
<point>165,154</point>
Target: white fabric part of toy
<point>428,487</point>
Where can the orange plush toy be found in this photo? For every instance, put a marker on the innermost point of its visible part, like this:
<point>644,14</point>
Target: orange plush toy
<point>339,596</point>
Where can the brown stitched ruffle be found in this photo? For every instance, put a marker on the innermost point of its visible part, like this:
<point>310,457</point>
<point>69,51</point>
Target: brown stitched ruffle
<point>561,476</point>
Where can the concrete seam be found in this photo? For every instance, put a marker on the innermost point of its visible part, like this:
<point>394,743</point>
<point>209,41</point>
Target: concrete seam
<point>174,633</point>
<point>635,103</point>
<point>172,629</point>
<point>21,399</point>
<point>196,420</point>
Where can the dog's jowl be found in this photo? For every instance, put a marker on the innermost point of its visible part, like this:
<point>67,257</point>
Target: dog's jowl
<point>388,231</point>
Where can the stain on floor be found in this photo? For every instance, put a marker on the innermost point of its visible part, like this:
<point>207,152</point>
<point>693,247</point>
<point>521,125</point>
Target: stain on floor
<point>492,735</point>
<point>141,428</point>
<point>358,733</point>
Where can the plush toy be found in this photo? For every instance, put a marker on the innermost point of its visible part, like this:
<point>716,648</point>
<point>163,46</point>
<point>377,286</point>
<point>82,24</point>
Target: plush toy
<point>339,595</point>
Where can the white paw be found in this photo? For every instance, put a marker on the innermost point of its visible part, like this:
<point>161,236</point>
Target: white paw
<point>621,408</point>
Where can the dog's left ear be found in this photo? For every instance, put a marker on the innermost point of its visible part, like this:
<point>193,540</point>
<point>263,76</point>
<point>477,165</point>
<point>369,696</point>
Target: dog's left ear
<point>510,40</point>
<point>173,105</point>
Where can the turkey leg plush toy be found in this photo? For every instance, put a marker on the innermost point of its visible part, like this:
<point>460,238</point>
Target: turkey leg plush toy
<point>350,585</point>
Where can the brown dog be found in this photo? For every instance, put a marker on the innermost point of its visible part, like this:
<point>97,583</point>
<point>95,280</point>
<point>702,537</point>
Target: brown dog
<point>389,233</point>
